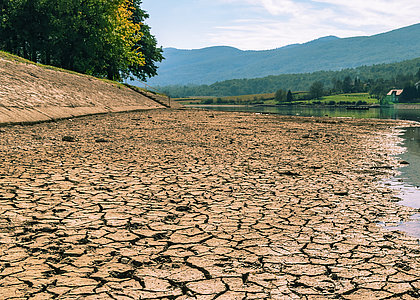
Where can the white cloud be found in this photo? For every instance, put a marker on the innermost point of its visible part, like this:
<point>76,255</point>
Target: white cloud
<point>274,23</point>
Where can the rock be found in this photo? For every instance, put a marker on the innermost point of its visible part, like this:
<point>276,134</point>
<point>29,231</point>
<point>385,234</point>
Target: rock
<point>341,193</point>
<point>68,138</point>
<point>183,208</point>
<point>101,140</point>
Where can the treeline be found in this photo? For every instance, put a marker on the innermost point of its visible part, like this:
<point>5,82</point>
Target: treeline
<point>377,88</point>
<point>96,37</point>
<point>377,79</point>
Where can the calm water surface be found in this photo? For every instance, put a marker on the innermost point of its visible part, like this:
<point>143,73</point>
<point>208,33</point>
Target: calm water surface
<point>375,113</point>
<point>408,183</point>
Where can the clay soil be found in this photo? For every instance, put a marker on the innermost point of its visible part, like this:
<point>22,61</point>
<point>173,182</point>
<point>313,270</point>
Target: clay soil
<point>188,204</point>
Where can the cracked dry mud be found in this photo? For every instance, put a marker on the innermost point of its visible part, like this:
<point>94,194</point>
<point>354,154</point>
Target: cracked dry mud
<point>200,205</point>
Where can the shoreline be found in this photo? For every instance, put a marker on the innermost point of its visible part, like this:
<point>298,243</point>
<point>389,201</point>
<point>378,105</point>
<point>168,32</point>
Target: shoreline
<point>395,106</point>
<point>181,203</point>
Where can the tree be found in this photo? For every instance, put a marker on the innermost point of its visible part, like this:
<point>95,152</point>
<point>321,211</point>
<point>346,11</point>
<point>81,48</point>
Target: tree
<point>280,95</point>
<point>347,84</point>
<point>147,46</point>
<point>97,37</point>
<point>358,86</point>
<point>289,97</point>
<point>337,86</point>
<point>409,94</point>
<point>379,88</point>
<point>316,90</point>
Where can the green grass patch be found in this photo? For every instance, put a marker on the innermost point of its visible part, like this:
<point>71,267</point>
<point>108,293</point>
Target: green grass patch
<point>352,98</point>
<point>268,99</point>
<point>345,99</point>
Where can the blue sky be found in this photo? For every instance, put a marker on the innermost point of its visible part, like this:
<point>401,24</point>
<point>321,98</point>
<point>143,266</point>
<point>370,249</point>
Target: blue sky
<point>269,24</point>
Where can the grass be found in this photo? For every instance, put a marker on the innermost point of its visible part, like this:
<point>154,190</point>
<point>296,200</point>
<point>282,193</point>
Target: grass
<point>343,99</point>
<point>268,99</point>
<point>241,99</point>
<point>351,98</point>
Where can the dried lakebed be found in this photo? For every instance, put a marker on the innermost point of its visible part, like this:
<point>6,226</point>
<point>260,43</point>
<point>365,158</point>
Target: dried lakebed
<point>191,204</point>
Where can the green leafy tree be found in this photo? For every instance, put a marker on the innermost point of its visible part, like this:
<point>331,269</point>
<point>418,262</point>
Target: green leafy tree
<point>358,86</point>
<point>316,90</point>
<point>409,94</point>
<point>280,95</point>
<point>347,84</point>
<point>97,37</point>
<point>337,86</point>
<point>289,97</point>
<point>147,46</point>
<point>379,88</point>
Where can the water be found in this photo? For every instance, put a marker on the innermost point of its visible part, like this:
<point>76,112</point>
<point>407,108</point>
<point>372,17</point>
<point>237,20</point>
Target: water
<point>407,183</point>
<point>373,113</point>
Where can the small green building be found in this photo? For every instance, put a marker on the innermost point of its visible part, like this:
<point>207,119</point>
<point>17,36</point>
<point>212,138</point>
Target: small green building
<point>393,96</point>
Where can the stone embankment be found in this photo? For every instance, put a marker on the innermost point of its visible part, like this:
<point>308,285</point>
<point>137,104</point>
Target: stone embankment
<point>30,93</point>
<point>186,204</point>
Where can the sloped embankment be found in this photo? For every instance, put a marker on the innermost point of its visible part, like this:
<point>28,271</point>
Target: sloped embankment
<point>32,93</point>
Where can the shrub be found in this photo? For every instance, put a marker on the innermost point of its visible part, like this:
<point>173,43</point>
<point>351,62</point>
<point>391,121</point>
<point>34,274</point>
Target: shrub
<point>360,102</point>
<point>207,101</point>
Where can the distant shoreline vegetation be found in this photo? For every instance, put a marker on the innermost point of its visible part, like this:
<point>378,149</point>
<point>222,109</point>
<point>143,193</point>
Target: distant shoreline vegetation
<point>105,39</point>
<point>299,98</point>
<point>376,80</point>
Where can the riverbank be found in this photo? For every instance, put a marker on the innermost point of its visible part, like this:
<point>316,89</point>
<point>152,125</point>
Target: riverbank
<point>32,93</point>
<point>313,111</point>
<point>183,203</point>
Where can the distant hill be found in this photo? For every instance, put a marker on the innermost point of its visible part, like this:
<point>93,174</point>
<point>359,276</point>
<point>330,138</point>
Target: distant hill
<point>297,82</point>
<point>209,65</point>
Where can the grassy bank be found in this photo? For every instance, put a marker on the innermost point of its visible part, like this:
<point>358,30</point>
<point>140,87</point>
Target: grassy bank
<point>269,99</point>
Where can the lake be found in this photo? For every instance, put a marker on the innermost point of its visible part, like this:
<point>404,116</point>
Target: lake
<point>308,111</point>
<point>407,183</point>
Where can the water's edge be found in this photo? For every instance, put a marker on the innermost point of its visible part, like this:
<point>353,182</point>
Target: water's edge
<point>407,183</point>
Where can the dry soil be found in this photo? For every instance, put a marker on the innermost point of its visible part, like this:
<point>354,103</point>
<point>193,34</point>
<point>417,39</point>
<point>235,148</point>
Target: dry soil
<point>188,204</point>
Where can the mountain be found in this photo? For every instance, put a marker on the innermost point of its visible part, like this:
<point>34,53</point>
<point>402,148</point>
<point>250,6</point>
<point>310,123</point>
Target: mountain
<point>383,75</point>
<point>209,65</point>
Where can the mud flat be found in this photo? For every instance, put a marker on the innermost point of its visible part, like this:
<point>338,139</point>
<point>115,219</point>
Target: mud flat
<point>188,204</point>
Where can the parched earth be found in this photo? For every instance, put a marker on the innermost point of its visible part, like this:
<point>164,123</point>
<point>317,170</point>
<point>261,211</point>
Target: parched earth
<point>186,204</point>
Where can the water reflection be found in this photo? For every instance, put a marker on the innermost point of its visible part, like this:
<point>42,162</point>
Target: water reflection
<point>372,113</point>
<point>408,182</point>
<point>411,227</point>
<point>411,173</point>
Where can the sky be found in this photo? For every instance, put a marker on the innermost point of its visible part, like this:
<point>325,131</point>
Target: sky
<point>270,24</point>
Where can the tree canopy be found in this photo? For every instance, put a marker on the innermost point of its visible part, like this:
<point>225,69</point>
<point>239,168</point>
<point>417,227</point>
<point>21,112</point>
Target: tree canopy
<point>104,38</point>
<point>316,90</point>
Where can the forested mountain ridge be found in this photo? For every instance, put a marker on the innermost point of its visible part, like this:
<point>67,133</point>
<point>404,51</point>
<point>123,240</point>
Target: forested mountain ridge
<point>385,76</point>
<point>209,65</point>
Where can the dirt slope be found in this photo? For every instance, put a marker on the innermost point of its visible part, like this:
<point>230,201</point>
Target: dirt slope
<point>31,93</point>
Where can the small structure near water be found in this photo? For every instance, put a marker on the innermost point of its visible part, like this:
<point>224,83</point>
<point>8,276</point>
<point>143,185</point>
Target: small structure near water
<point>393,95</point>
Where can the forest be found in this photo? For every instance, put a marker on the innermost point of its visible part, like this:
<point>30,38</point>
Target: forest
<point>103,38</point>
<point>376,79</point>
